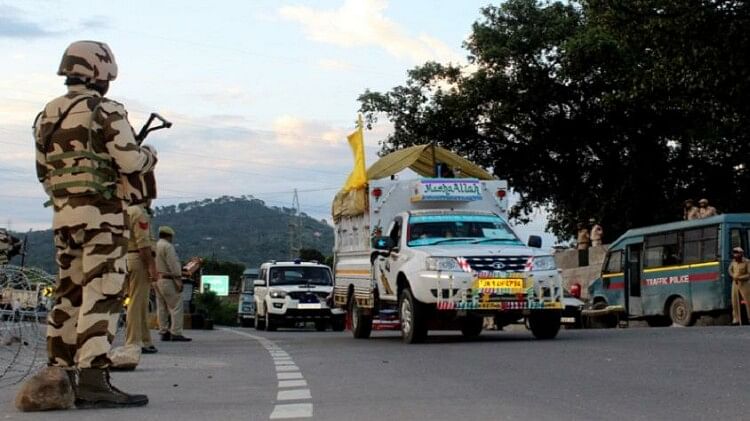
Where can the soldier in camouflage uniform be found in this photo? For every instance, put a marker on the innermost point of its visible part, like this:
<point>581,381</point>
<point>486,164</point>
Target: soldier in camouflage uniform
<point>85,147</point>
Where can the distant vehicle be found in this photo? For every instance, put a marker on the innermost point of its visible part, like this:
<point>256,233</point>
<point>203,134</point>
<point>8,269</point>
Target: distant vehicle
<point>288,293</point>
<point>246,305</point>
<point>572,309</point>
<point>670,273</point>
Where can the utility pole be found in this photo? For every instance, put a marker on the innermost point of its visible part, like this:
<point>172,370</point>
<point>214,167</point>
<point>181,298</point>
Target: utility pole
<point>295,228</point>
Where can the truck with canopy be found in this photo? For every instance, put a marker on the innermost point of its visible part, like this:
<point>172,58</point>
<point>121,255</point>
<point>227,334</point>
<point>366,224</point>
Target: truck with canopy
<point>437,252</point>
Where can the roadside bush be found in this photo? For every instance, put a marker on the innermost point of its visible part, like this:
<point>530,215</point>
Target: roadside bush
<point>213,307</point>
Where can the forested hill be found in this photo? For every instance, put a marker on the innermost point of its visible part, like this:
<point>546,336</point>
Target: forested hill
<point>238,229</point>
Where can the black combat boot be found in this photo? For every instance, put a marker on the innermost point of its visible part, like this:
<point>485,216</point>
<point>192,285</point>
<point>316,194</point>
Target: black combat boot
<point>72,373</point>
<point>95,391</point>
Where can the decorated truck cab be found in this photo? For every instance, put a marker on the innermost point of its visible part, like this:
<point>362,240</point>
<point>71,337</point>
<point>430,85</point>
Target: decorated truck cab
<point>438,253</point>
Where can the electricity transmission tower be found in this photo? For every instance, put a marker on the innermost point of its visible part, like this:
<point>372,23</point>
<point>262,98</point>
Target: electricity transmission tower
<point>295,228</point>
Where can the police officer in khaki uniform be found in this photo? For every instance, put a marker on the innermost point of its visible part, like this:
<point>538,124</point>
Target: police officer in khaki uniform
<point>739,271</point>
<point>705,210</point>
<point>85,147</point>
<point>169,288</point>
<point>691,211</point>
<point>141,273</point>
<point>597,232</point>
<point>583,241</point>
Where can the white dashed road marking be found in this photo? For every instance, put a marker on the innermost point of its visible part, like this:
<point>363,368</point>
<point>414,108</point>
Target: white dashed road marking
<point>290,379</point>
<point>292,410</point>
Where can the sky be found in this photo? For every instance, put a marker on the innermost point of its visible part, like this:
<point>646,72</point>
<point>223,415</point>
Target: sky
<point>261,93</point>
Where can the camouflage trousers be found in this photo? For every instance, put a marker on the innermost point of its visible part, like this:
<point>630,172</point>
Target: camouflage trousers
<point>88,297</point>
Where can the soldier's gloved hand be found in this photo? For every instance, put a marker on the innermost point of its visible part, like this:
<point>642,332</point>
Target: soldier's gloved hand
<point>150,149</point>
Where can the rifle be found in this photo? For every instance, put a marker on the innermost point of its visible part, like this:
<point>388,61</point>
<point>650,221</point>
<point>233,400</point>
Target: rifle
<point>146,129</point>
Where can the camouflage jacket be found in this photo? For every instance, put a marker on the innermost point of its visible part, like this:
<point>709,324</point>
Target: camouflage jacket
<point>86,157</point>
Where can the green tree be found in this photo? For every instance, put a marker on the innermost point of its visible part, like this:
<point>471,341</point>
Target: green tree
<point>311,254</point>
<point>612,109</point>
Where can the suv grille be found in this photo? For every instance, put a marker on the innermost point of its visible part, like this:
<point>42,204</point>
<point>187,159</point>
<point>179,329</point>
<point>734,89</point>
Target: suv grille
<point>497,263</point>
<point>306,296</point>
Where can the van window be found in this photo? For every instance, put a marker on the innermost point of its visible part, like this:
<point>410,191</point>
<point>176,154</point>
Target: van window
<point>736,236</point>
<point>710,244</point>
<point>662,250</point>
<point>614,262</point>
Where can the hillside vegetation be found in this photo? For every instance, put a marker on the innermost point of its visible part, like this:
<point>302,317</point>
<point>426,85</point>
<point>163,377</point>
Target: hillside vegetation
<point>238,229</point>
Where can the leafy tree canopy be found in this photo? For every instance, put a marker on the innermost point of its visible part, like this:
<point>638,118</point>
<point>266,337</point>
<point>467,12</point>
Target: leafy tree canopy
<point>610,109</point>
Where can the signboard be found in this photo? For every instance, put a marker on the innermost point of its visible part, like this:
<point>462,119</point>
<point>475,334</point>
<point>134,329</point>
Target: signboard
<point>457,189</point>
<point>216,283</point>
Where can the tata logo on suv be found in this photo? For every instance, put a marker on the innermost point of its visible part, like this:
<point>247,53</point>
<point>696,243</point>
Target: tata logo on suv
<point>498,265</point>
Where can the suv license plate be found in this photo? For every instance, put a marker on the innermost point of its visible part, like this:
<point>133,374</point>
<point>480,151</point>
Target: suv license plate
<point>515,283</point>
<point>309,306</point>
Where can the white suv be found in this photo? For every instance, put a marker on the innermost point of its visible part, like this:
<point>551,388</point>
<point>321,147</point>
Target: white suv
<point>288,293</point>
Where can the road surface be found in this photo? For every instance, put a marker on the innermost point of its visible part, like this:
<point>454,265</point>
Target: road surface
<point>633,374</point>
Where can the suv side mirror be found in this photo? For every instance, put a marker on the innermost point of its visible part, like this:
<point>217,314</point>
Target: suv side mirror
<point>535,241</point>
<point>382,243</point>
<point>259,283</point>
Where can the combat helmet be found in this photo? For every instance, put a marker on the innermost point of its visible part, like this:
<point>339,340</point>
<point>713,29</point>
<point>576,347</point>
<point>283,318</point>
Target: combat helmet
<point>90,60</point>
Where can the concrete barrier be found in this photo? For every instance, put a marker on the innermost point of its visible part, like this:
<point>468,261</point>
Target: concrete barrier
<point>567,261</point>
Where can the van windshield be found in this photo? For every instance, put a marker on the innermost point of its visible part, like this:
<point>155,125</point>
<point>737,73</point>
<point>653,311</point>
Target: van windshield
<point>427,230</point>
<point>299,275</point>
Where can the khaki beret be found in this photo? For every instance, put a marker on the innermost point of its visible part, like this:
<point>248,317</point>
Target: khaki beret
<point>166,230</point>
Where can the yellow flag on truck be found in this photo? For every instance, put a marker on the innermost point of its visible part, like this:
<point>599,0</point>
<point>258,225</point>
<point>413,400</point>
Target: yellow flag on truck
<point>358,178</point>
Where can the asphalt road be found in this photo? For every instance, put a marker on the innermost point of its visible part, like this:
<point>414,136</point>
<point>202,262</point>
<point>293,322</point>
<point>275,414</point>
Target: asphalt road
<point>632,374</point>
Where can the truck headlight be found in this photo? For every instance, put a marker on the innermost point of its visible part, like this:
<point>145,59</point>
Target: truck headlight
<point>542,263</point>
<point>277,293</point>
<point>448,264</point>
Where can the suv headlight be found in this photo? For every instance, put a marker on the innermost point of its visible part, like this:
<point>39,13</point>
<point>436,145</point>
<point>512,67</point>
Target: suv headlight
<point>542,263</point>
<point>277,293</point>
<point>448,264</point>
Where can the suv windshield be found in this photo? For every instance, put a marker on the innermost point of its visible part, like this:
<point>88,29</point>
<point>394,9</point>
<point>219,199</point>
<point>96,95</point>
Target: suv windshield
<point>299,275</point>
<point>427,230</point>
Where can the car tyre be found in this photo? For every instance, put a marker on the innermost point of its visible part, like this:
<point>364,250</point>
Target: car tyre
<point>361,323</point>
<point>271,323</point>
<point>544,324</point>
<point>471,326</point>
<point>260,322</point>
<point>413,320</point>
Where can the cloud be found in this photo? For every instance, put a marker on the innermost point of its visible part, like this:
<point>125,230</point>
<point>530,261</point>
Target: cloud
<point>334,64</point>
<point>360,23</point>
<point>228,95</point>
<point>13,25</point>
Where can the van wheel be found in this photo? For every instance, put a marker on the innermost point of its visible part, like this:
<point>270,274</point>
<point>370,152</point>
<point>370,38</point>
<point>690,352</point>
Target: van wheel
<point>412,315</point>
<point>545,324</point>
<point>361,324</point>
<point>680,312</point>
